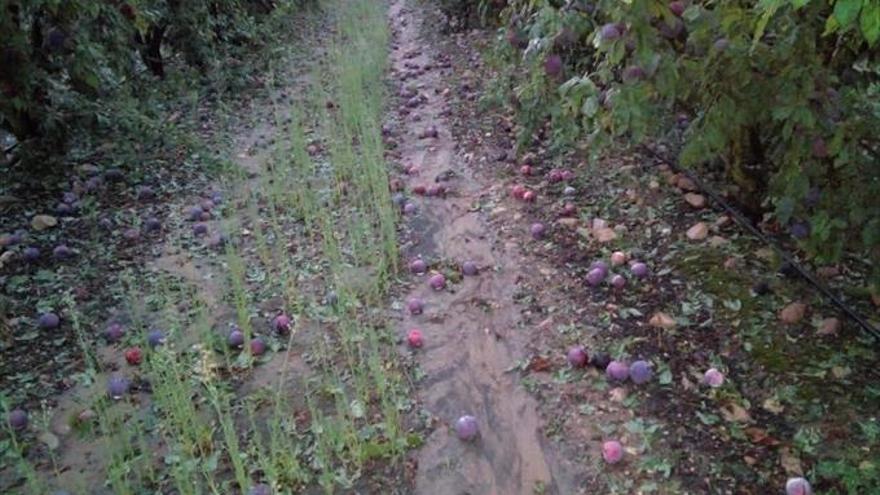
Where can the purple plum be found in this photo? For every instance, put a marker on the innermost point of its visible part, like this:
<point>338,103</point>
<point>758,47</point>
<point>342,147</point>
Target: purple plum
<point>469,268</point>
<point>156,338</point>
<point>69,197</point>
<point>609,32</point>
<point>638,269</point>
<point>553,65</point>
<point>618,281</point>
<point>418,266</point>
<point>640,372</point>
<point>145,193</point>
<point>260,489</point>
<point>537,230</point>
<point>30,254</point>
<point>577,357</point>
<point>18,419</point>
<point>258,347</point>
<point>409,208</point>
<point>595,276</point>
<point>617,370</point>
<point>62,252</point>
<point>131,235</point>
<point>466,428</point>
<point>49,321</point>
<point>235,339</point>
<point>600,360</point>
<point>713,378</point>
<point>281,323</point>
<point>194,213</point>
<point>200,229</point>
<point>415,306</point>
<point>798,486</point>
<point>117,387</point>
<point>633,73</point>
<point>152,224</point>
<point>437,281</point>
<point>800,229</point>
<point>114,332</point>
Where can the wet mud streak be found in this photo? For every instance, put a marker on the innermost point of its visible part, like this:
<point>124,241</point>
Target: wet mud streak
<point>470,330</point>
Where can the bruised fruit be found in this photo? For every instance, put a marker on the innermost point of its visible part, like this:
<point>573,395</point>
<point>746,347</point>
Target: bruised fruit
<point>418,266</point>
<point>235,339</point>
<point>117,387</point>
<point>18,419</point>
<point>526,170</point>
<point>639,269</point>
<point>258,347</point>
<point>612,451</point>
<point>469,268</point>
<point>600,360</point>
<point>415,306</point>
<point>437,281</point>
<point>617,370</point>
<point>152,224</point>
<point>49,321</point>
<point>640,372</point>
<point>537,230</point>
<point>414,338</point>
<point>114,332</point>
<point>713,378</point>
<point>553,65</point>
<point>568,209</point>
<point>281,323</point>
<point>466,428</point>
<point>419,190</point>
<point>134,356</point>
<point>156,338</point>
<point>798,486</point>
<point>517,191</point>
<point>577,357</point>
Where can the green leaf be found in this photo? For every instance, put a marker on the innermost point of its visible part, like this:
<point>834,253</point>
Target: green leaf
<point>846,11</point>
<point>869,21</point>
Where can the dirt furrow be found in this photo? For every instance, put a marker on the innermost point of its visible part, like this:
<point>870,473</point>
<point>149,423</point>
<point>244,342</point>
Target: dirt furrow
<point>470,330</point>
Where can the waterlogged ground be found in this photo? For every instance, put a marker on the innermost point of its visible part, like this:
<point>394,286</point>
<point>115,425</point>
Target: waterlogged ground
<point>267,341</point>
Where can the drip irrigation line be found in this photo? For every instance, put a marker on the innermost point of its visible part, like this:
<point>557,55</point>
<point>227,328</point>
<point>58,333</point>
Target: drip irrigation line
<point>748,225</point>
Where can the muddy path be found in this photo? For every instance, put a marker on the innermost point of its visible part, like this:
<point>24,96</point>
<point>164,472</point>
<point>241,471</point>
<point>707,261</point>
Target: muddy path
<point>470,328</point>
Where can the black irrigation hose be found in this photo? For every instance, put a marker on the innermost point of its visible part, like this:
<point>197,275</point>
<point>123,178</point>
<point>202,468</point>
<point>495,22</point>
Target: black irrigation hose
<point>743,221</point>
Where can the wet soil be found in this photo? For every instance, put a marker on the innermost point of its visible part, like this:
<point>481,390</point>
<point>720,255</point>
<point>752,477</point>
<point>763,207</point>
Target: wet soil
<point>472,339</point>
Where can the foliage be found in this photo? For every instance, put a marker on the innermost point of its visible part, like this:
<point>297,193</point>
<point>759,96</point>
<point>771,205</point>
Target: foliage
<point>90,66</point>
<point>778,96</point>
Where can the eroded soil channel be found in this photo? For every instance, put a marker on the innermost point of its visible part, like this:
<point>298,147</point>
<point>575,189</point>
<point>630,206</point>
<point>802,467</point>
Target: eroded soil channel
<point>470,331</point>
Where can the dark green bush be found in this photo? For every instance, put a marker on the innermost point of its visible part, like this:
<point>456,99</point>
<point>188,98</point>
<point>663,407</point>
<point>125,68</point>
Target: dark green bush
<point>778,96</point>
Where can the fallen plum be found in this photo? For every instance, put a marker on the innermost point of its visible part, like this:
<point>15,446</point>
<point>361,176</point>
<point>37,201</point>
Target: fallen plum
<point>577,357</point>
<point>466,428</point>
<point>437,281</point>
<point>18,419</point>
<point>640,372</point>
<point>49,321</point>
<point>414,338</point>
<point>617,370</point>
<point>612,451</point>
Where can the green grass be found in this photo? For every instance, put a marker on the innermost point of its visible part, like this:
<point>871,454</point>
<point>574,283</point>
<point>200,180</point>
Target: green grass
<point>334,205</point>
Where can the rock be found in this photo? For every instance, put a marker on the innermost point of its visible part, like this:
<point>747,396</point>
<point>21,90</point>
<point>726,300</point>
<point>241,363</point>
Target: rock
<point>793,313</point>
<point>685,184</point>
<point>698,232</point>
<point>829,326</point>
<point>662,320</point>
<point>695,200</point>
<point>43,222</point>
<point>717,241</point>
<point>722,221</point>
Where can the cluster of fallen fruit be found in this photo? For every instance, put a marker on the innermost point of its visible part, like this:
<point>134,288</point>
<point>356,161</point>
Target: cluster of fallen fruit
<point>639,372</point>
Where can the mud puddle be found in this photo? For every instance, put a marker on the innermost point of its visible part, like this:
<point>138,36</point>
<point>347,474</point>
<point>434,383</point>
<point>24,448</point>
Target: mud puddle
<point>471,339</point>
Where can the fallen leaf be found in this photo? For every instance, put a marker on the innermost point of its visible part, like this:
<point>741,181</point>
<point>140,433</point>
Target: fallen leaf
<point>773,405</point>
<point>793,313</point>
<point>539,364</point>
<point>829,326</point>
<point>698,232</point>
<point>735,413</point>
<point>43,222</point>
<point>617,394</point>
<point>662,320</point>
<point>759,436</point>
<point>790,462</point>
<point>605,234</point>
